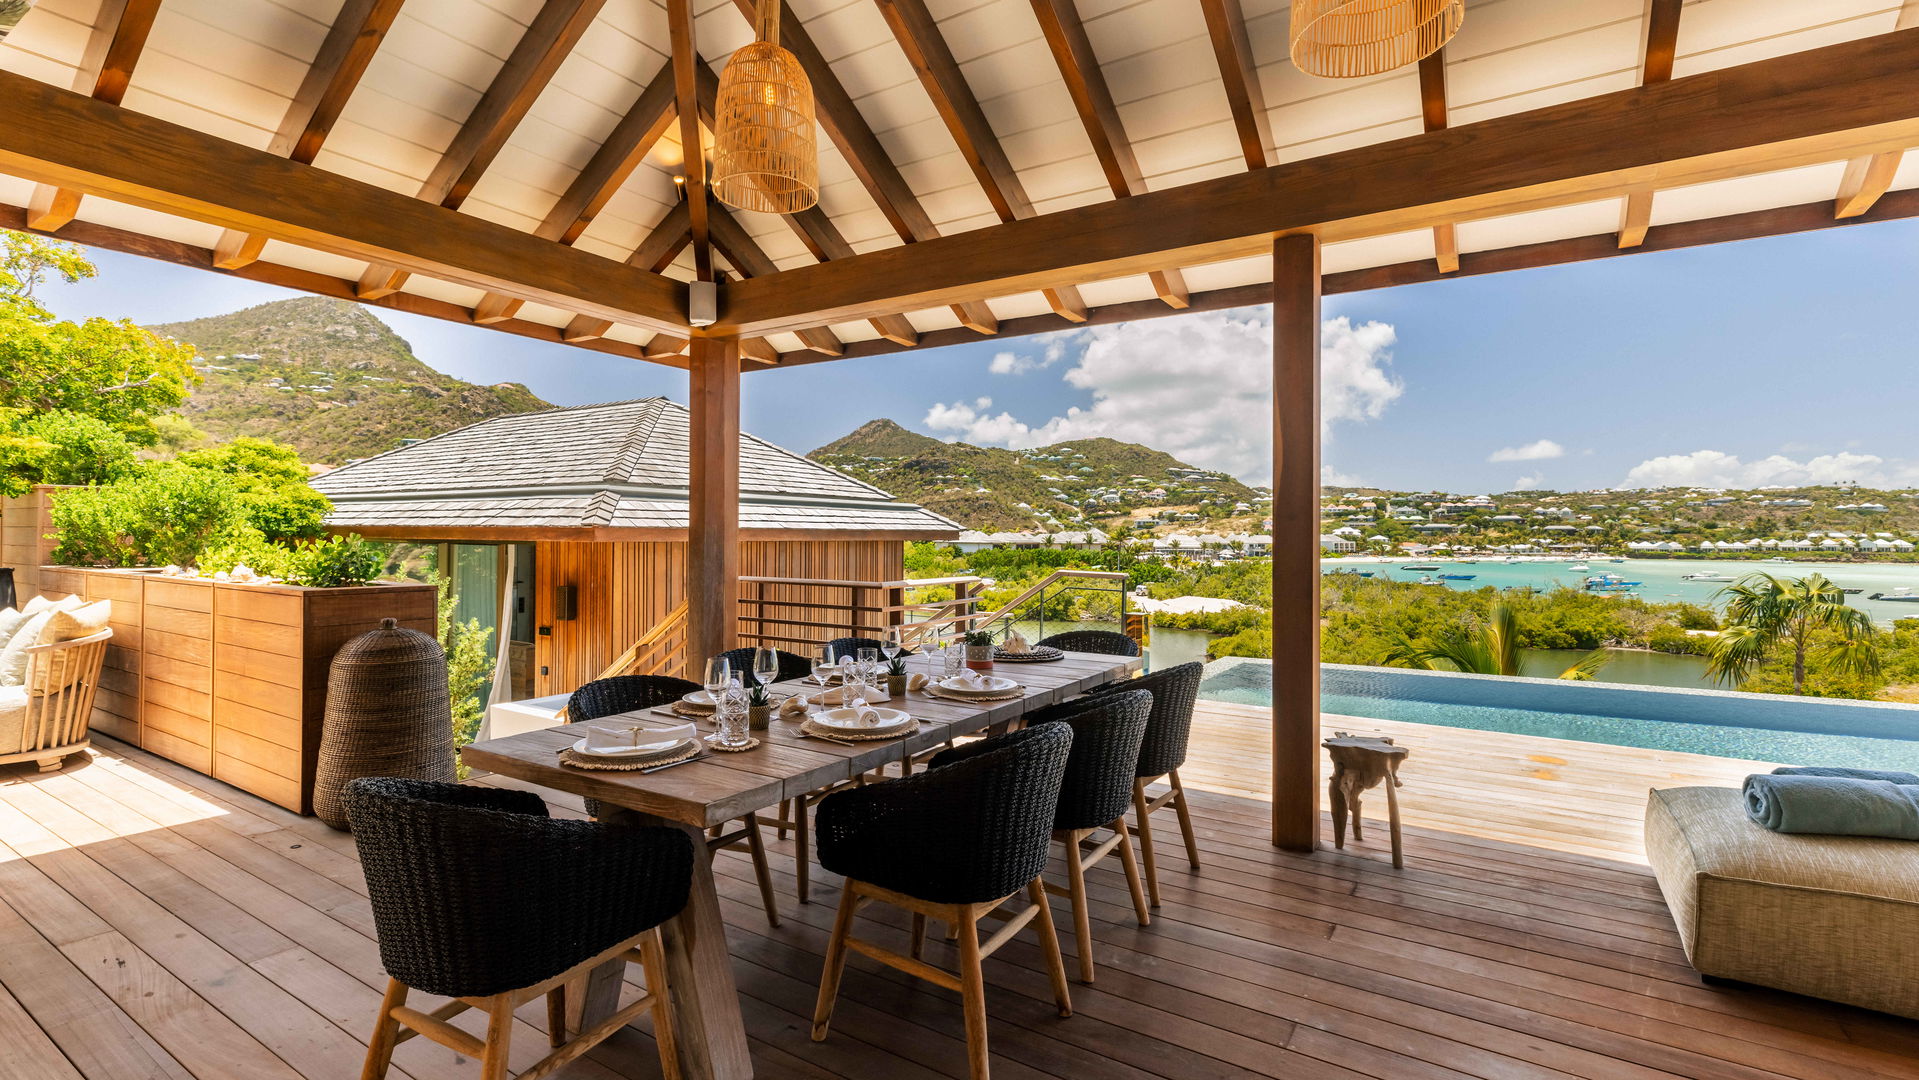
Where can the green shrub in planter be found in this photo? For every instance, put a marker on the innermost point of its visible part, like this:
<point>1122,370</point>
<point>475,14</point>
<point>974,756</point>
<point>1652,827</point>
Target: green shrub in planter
<point>341,560</point>
<point>164,515</point>
<point>248,547</point>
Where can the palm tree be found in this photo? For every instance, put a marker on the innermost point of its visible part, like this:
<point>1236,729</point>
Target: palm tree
<point>1489,649</point>
<point>1765,614</point>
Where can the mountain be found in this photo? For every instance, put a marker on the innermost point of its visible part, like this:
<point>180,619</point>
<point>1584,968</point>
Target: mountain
<point>1070,485</point>
<point>329,378</point>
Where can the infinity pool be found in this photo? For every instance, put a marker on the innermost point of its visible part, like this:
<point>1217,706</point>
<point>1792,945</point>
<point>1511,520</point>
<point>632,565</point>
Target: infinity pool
<point>1251,684</point>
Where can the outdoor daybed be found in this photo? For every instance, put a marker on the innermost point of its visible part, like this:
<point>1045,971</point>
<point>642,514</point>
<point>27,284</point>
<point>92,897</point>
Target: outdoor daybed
<point>1834,917</point>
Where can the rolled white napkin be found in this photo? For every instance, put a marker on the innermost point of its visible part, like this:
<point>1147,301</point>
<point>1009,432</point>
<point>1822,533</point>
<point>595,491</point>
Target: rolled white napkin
<point>970,680</point>
<point>794,706</point>
<point>622,736</point>
<point>837,695</point>
<point>916,681</point>
<point>1016,643</point>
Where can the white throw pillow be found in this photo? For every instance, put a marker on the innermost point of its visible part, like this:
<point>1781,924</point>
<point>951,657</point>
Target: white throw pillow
<point>13,658</point>
<point>10,620</point>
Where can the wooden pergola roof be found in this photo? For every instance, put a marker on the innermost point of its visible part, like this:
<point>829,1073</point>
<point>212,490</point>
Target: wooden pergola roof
<point>989,167</point>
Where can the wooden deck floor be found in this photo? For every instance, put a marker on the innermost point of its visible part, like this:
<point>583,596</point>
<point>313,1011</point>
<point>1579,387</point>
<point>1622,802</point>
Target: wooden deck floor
<point>155,923</point>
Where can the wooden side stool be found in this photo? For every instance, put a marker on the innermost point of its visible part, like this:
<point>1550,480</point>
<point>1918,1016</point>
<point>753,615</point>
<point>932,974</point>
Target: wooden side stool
<point>1361,762</point>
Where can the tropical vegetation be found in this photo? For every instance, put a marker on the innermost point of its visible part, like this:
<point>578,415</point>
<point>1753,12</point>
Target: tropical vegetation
<point>1801,618</point>
<point>1486,647</point>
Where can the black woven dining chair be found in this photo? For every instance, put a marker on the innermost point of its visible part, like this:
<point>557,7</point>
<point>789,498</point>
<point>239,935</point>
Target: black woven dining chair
<point>850,646</point>
<point>1095,794</point>
<point>792,665</point>
<point>1093,641</point>
<point>479,896</point>
<point>627,693</point>
<point>1175,694</point>
<point>951,843</point>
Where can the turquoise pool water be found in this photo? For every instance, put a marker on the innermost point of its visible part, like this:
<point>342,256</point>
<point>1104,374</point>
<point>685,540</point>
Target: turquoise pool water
<point>1251,684</point>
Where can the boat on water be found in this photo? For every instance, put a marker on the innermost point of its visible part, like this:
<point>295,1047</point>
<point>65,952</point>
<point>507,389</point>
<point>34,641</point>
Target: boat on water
<point>1707,575</point>
<point>1421,566</point>
<point>1780,559</point>
<point>1351,572</point>
<point>1457,577</point>
<point>1431,580</point>
<point>1579,568</point>
<point>1901,595</point>
<point>1610,583</point>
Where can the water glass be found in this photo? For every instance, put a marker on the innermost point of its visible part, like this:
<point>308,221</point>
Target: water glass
<point>730,712</point>
<point>955,658</point>
<point>869,659</point>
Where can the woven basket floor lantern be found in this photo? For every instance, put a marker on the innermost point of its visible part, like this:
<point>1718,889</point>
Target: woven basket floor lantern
<point>1348,39</point>
<point>387,714</point>
<point>765,155</point>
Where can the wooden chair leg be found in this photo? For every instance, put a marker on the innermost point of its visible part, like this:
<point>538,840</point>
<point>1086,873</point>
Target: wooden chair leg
<point>802,850</point>
<point>556,1016</point>
<point>1185,820</point>
<point>1082,914</point>
<point>756,847</point>
<point>1145,829</point>
<point>835,962</point>
<point>1049,944</point>
<point>1131,864</point>
<point>379,1049</point>
<point>786,814</point>
<point>973,995</point>
<point>919,934</point>
<point>1392,822</point>
<point>653,963</point>
<point>499,1038</point>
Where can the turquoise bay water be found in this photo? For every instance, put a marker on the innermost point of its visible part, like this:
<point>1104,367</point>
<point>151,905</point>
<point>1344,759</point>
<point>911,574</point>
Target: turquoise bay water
<point>1664,579</point>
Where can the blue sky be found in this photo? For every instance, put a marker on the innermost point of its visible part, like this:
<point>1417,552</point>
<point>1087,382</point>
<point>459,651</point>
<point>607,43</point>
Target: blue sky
<point>1786,360</point>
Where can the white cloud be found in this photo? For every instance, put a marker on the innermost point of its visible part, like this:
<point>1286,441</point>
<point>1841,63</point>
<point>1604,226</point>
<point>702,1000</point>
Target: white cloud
<point>1527,483</point>
<point>1016,363</point>
<point>1532,451</point>
<point>1715,468</point>
<point>1197,386</point>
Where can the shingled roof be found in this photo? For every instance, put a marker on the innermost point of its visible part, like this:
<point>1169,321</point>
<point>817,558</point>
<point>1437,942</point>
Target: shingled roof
<point>620,465</point>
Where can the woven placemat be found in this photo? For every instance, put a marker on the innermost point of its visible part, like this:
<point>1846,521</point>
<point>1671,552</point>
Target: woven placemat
<point>1045,654</point>
<point>740,749</point>
<point>698,712</point>
<point>933,690</point>
<point>587,761</point>
<point>911,725</point>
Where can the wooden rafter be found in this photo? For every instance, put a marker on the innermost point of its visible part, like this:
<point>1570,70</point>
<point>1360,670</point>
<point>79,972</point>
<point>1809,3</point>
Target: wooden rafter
<point>625,147</point>
<point>662,245</point>
<point>812,226</point>
<point>546,43</point>
<point>106,68</point>
<point>55,136</point>
<point>1662,41</point>
<point>1432,111</point>
<point>1800,109</point>
<point>1226,26</point>
<point>686,95</point>
<point>1086,83</point>
<point>744,253</point>
<point>316,106</point>
<point>1869,176</point>
<point>926,49</point>
<point>1808,217</point>
<point>868,159</point>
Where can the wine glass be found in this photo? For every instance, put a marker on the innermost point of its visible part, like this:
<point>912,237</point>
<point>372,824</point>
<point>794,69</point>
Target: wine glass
<point>718,672</point>
<point>824,665</point>
<point>766,666</point>
<point>892,644</point>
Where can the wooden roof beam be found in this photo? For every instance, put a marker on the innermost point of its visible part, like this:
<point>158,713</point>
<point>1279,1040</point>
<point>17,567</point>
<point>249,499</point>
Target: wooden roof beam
<point>926,49</point>
<point>850,132</point>
<point>106,68</point>
<point>1804,108</point>
<point>1432,110</point>
<point>1086,83</point>
<point>669,237</point>
<point>1226,26</point>
<point>50,135</point>
<point>625,147</point>
<point>548,40</point>
<point>686,96</point>
<point>1662,40</point>
<point>316,106</point>
<point>1869,176</point>
<point>1808,217</point>
<point>746,256</point>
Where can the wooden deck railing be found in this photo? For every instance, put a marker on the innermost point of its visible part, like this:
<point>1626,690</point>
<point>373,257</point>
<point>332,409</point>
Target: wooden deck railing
<point>660,651</point>
<point>797,614</point>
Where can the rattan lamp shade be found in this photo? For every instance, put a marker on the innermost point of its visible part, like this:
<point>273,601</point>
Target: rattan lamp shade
<point>1347,39</point>
<point>765,153</point>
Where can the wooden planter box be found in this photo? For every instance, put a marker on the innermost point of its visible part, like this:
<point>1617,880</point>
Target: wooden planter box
<point>229,680</point>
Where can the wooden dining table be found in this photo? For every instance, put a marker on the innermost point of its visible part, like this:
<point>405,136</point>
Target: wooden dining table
<point>717,788</point>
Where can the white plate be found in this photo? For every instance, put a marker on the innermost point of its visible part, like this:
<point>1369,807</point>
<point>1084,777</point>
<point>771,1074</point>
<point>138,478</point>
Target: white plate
<point>989,684</point>
<point>642,750</point>
<point>699,699</point>
<point>849,719</point>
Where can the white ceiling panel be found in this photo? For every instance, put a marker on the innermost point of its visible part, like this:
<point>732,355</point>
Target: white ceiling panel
<point>1412,246</point>
<point>1790,187</point>
<point>1539,226</point>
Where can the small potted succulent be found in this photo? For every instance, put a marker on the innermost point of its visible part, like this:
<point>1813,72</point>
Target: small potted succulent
<point>759,707</point>
<point>896,677</point>
<point>979,649</point>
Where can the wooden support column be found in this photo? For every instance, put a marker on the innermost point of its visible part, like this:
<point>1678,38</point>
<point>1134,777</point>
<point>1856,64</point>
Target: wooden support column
<point>1296,542</point>
<point>713,499</point>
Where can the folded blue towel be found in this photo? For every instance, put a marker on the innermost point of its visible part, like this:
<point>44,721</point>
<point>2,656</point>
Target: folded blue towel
<point>1833,805</point>
<point>1887,775</point>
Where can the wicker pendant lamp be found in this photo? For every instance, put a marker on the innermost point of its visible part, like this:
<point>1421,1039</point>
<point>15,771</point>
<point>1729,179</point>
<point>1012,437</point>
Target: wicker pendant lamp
<point>1347,39</point>
<point>764,152</point>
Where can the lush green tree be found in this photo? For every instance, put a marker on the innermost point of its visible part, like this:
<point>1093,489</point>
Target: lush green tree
<point>271,483</point>
<point>109,369</point>
<point>165,514</point>
<point>1488,648</point>
<point>1799,617</point>
<point>59,447</point>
